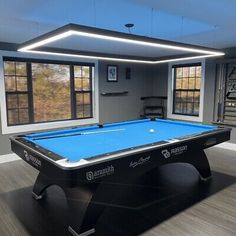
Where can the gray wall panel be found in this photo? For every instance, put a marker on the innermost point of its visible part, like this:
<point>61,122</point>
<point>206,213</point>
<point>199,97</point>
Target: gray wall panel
<point>128,107</point>
<point>209,93</point>
<point>4,142</point>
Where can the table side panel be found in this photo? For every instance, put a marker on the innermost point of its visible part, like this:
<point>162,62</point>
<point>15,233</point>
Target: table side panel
<point>121,165</point>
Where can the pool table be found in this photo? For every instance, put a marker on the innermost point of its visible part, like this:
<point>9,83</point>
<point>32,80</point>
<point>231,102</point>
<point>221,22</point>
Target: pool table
<point>80,160</point>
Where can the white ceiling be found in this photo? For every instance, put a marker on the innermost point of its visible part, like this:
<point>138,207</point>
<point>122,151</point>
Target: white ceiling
<point>210,23</point>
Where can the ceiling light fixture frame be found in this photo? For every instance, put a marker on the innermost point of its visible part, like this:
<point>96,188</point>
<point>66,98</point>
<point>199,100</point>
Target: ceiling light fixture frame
<point>188,51</point>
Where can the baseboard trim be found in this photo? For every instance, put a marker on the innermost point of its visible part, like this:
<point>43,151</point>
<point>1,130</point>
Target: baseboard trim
<point>227,145</point>
<point>8,158</point>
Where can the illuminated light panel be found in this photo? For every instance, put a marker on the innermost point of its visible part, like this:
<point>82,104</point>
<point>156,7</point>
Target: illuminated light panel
<point>164,45</point>
<point>121,59</point>
<point>46,41</point>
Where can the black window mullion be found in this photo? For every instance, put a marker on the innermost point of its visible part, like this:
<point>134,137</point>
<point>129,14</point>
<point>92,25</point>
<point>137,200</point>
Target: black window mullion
<point>72,92</point>
<point>174,90</point>
<point>91,87</point>
<point>30,92</point>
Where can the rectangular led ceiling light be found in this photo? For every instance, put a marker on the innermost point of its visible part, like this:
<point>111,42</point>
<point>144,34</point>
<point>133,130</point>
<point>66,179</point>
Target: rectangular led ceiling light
<point>181,51</point>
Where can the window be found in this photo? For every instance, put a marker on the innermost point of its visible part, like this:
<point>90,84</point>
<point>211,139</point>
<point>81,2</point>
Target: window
<point>186,91</point>
<point>46,91</point>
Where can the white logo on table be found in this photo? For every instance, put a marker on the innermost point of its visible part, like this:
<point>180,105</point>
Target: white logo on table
<point>166,153</point>
<point>174,152</point>
<point>92,175</point>
<point>141,161</point>
<point>35,161</point>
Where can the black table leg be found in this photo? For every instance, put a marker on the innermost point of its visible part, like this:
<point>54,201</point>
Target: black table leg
<point>199,160</point>
<point>86,204</point>
<point>41,183</point>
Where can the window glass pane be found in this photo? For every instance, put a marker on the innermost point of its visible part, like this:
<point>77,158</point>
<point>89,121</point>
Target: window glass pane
<point>87,111</point>
<point>12,116</point>
<point>86,84</point>
<point>196,96</point>
<point>198,71</point>
<point>198,82</point>
<point>178,107</point>
<point>87,100</point>
<point>178,83</point>
<point>184,96</point>
<point>51,92</point>
<point>185,71</point>
<point>10,83</point>
<point>23,116</point>
<point>79,99</point>
<point>189,108</point>
<point>9,68</point>
<point>23,100</point>
<point>12,101</point>
<point>78,84</point>
<point>185,83</point>
<point>85,71</point>
<point>21,83</point>
<point>190,96</point>
<point>196,109</point>
<point>83,105</point>
<point>21,69</point>
<point>184,108</point>
<point>192,83</point>
<point>78,71</point>
<point>80,111</point>
<point>192,71</point>
<point>179,72</point>
<point>178,96</point>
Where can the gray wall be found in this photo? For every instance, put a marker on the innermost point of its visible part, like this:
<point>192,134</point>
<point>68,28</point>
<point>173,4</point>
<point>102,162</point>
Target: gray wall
<point>4,142</point>
<point>128,107</point>
<point>160,80</point>
<point>209,93</point>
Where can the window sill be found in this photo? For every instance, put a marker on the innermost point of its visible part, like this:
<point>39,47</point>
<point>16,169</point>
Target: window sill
<point>46,126</point>
<point>185,117</point>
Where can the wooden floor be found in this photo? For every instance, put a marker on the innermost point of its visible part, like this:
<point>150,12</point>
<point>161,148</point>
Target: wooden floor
<point>213,212</point>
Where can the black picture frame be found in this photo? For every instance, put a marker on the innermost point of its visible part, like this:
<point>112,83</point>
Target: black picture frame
<point>112,73</point>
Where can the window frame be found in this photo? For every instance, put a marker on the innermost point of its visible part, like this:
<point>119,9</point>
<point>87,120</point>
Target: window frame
<point>174,67</point>
<point>171,86</point>
<point>16,56</point>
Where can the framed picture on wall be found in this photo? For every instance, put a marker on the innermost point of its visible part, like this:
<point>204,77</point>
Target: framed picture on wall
<point>112,73</point>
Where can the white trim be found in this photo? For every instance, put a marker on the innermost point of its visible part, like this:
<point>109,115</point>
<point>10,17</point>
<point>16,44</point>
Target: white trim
<point>227,145</point>
<point>50,125</point>
<point>170,93</point>
<point>9,158</point>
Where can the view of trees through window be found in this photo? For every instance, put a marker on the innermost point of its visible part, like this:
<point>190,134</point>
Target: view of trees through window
<point>42,92</point>
<point>51,92</point>
<point>187,84</point>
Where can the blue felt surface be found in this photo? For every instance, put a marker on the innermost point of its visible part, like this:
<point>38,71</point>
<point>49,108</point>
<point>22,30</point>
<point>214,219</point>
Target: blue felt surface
<point>84,143</point>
